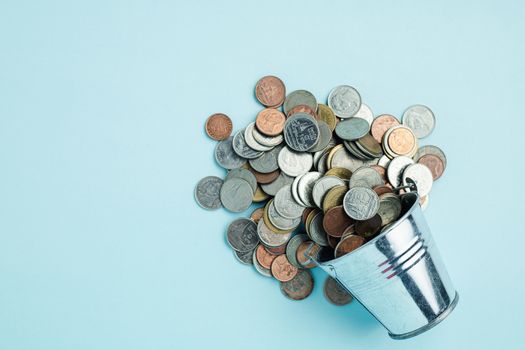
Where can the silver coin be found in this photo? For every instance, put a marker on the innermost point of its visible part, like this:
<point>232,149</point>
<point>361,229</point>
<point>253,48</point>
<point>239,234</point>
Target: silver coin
<point>250,140</point>
<point>365,113</point>
<point>383,161</point>
<point>433,150</point>
<point>335,293</point>
<point>245,175</point>
<point>261,269</point>
<point>291,248</point>
<point>351,146</point>
<point>273,187</point>
<point>395,169</point>
<point>361,203</point>
<point>295,193</point>
<point>365,177</point>
<point>343,159</point>
<point>421,175</point>
<point>236,194</point>
<point>420,119</point>
<point>389,209</point>
<point>299,97</point>
<point>316,230</point>
<point>294,163</point>
<point>344,100</point>
<point>305,187</point>
<point>270,238</point>
<point>242,235</point>
<point>244,257</point>
<point>267,162</point>
<point>207,192</point>
<point>242,149</point>
<point>226,156</point>
<point>280,221</point>
<point>270,141</point>
<point>322,166</point>
<point>325,136</point>
<point>301,132</point>
<point>285,205</point>
<point>352,129</point>
<point>322,186</point>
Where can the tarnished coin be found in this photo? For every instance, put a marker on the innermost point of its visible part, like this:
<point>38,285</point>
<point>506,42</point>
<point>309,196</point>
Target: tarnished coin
<point>270,91</point>
<point>291,248</point>
<point>434,164</point>
<point>257,215</point>
<point>267,162</point>
<point>381,124</point>
<point>259,195</point>
<point>277,250</point>
<point>361,203</point>
<point>270,121</point>
<point>401,140</point>
<point>322,186</point>
<point>282,270</point>
<point>302,109</point>
<point>365,113</point>
<point>325,136</point>
<point>316,231</point>
<point>365,177</point>
<point>305,187</point>
<point>301,132</point>
<point>395,170</point>
<point>273,187</point>
<point>335,293</point>
<point>241,147</point>
<point>218,126</point>
<point>250,140</point>
<point>294,163</point>
<point>299,287</point>
<point>258,267</point>
<point>352,129</point>
<point>270,238</point>
<point>344,100</point>
<point>368,228</point>
<point>226,156</point>
<point>368,145</point>
<point>286,205</point>
<point>422,177</point>
<point>244,174</point>
<point>434,150</point>
<point>242,235</point>
<point>280,221</point>
<point>348,244</point>
<point>326,114</point>
<point>420,119</point>
<point>207,192</point>
<point>299,97</point>
<point>264,257</point>
<point>334,197</point>
<point>236,194</point>
<point>336,221</point>
<point>389,209</point>
<point>305,251</point>
<point>244,257</point>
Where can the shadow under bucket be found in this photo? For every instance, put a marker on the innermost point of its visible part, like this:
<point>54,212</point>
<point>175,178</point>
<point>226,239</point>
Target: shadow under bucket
<point>399,276</point>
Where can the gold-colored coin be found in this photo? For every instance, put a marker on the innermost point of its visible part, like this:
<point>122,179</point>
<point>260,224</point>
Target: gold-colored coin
<point>269,224</point>
<point>326,114</point>
<point>342,173</point>
<point>309,219</point>
<point>334,197</point>
<point>331,155</point>
<point>260,195</point>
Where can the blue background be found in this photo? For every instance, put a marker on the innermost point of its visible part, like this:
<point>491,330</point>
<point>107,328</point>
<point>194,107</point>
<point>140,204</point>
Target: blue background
<point>102,106</point>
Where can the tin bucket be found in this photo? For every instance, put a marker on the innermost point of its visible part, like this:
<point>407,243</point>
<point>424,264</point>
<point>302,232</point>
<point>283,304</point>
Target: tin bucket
<point>399,276</point>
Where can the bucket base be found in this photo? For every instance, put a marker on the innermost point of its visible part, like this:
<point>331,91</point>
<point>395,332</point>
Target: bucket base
<point>425,328</point>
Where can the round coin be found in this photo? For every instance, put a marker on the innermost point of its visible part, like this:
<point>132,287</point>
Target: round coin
<point>395,170</point>
<point>207,192</point>
<point>434,164</point>
<point>389,209</point>
<point>267,162</point>
<point>334,197</point>
<point>241,147</point>
<point>282,270</point>
<point>421,175</point>
<point>335,221</point>
<point>365,113</point>
<point>294,163</point>
<point>299,287</point>
<point>344,100</point>
<point>302,109</point>
<point>335,293</point>
<point>305,251</point>
<point>401,140</point>
<point>251,141</point>
<point>326,114</point>
<point>381,124</point>
<point>270,238</point>
<point>270,121</point>
<point>244,174</point>
<point>305,187</point>
<point>299,97</point>
<point>352,129</point>
<point>301,132</point>
<point>264,257</point>
<point>270,91</point>
<point>244,257</point>
<point>420,119</point>
<point>273,187</point>
<point>361,203</point>
<point>291,248</point>
<point>368,228</point>
<point>348,244</point>
<point>280,221</point>
<point>260,269</point>
<point>322,186</point>
<point>218,126</point>
<point>236,194</point>
<point>226,156</point>
<point>242,235</point>
<point>365,177</point>
<point>257,215</point>
<point>316,231</point>
<point>286,205</point>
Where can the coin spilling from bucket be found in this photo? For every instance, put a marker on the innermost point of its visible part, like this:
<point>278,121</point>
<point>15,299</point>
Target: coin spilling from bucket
<point>329,175</point>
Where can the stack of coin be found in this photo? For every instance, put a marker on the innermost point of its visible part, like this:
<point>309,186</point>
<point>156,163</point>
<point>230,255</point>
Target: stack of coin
<point>330,177</point>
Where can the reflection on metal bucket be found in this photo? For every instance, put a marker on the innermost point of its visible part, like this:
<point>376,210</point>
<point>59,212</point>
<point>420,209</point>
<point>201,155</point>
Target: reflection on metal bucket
<point>399,275</point>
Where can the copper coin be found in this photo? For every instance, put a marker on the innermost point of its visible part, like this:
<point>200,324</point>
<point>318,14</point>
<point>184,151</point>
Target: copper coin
<point>302,109</point>
<point>257,214</point>
<point>382,189</point>
<point>335,293</point>
<point>348,231</point>
<point>434,163</point>
<point>348,244</point>
<point>381,124</point>
<point>270,91</point>
<point>335,221</point>
<point>332,241</point>
<point>282,270</point>
<point>277,250</point>
<point>401,140</point>
<point>368,228</point>
<point>312,249</point>
<point>270,122</point>
<point>263,178</point>
<point>218,126</point>
<point>299,287</point>
<point>305,215</point>
<point>264,258</point>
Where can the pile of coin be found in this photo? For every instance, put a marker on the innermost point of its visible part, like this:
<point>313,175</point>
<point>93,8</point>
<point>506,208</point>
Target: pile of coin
<point>330,177</point>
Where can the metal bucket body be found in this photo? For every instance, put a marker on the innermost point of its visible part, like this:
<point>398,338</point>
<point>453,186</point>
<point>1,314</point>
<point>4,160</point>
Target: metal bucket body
<point>399,276</point>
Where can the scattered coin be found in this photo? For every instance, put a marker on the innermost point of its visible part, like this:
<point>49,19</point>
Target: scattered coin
<point>244,174</point>
<point>258,267</point>
<point>294,163</point>
<point>434,164</point>
<point>335,293</point>
<point>242,235</point>
<point>348,244</point>
<point>226,156</point>
<point>361,203</point>
<point>264,258</point>
<point>345,101</point>
<point>207,192</point>
<point>270,121</point>
<point>236,194</point>
<point>327,115</point>
<point>381,124</point>
<point>421,175</point>
<point>368,228</point>
<point>245,257</point>
<point>241,147</point>
<point>299,97</point>
<point>218,126</point>
<point>352,129</point>
<point>420,119</point>
<point>299,287</point>
<point>282,270</point>
<point>365,113</point>
<point>301,132</point>
<point>336,221</point>
<point>270,91</point>
<point>291,248</point>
